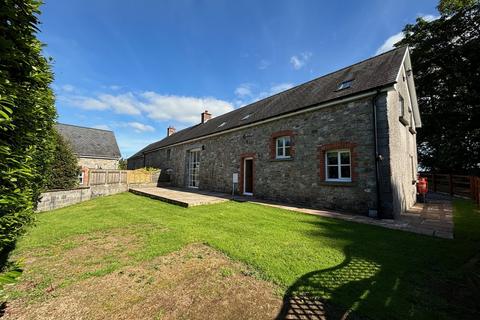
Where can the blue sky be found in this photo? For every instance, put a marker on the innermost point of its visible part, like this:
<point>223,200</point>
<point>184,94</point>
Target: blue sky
<point>136,67</point>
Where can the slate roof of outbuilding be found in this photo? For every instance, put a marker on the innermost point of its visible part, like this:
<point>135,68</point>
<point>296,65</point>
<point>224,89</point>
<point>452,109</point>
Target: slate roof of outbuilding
<point>90,142</point>
<point>376,72</point>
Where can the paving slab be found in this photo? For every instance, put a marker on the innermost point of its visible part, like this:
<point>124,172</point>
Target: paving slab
<point>181,197</point>
<point>433,218</point>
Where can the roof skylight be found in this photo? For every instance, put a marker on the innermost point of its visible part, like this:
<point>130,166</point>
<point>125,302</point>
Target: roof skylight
<point>247,116</point>
<point>222,124</point>
<point>345,85</point>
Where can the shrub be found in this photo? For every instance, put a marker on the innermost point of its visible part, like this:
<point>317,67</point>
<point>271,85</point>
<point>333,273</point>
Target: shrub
<point>63,171</point>
<point>122,164</point>
<point>27,115</point>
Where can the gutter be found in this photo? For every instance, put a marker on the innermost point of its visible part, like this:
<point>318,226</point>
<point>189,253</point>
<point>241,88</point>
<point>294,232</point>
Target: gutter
<point>378,157</point>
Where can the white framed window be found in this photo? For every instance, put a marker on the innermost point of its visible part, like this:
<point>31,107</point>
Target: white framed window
<point>338,165</point>
<point>283,147</point>
<point>81,177</point>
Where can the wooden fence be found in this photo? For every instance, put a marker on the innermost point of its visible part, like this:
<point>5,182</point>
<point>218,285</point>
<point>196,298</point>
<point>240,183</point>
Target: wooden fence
<point>140,176</point>
<point>106,177</point>
<point>455,185</point>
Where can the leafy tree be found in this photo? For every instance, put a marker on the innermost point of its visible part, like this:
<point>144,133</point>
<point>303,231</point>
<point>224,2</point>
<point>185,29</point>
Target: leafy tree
<point>122,164</point>
<point>64,169</point>
<point>446,61</point>
<point>448,7</point>
<point>27,114</point>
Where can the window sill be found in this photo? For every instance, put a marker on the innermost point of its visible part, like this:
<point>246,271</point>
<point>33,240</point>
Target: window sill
<point>338,183</point>
<point>281,159</point>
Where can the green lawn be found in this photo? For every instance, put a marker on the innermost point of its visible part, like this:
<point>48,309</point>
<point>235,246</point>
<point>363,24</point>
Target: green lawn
<point>378,272</point>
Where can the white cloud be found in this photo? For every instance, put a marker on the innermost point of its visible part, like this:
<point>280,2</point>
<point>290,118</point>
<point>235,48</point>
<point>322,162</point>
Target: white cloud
<point>114,87</point>
<point>299,61</point>
<point>83,102</point>
<point>264,64</point>
<point>428,17</point>
<point>126,103</point>
<point>68,88</point>
<point>140,127</point>
<point>121,104</point>
<point>154,105</point>
<point>102,126</point>
<point>389,43</point>
<point>181,108</point>
<point>243,90</point>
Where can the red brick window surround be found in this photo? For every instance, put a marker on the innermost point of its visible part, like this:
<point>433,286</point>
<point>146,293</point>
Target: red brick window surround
<point>342,145</point>
<point>273,144</point>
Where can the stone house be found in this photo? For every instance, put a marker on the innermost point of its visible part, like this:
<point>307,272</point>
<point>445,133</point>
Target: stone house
<point>94,148</point>
<point>344,141</point>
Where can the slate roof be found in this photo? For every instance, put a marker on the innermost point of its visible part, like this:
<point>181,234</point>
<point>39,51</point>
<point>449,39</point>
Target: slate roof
<point>90,142</point>
<point>375,72</point>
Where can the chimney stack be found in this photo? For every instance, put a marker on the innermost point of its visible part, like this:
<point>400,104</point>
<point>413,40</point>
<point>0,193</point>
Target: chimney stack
<point>206,116</point>
<point>170,131</point>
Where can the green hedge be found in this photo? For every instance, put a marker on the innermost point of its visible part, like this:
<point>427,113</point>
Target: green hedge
<point>27,115</point>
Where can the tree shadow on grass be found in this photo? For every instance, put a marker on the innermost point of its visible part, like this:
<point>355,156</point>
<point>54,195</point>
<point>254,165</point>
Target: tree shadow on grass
<point>311,296</point>
<point>384,284</point>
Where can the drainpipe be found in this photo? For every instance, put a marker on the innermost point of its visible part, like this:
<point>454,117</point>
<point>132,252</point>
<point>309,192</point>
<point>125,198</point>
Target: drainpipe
<point>378,157</point>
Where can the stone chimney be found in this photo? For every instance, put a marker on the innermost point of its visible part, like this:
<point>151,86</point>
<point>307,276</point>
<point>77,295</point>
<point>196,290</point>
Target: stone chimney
<point>170,131</point>
<point>206,116</point>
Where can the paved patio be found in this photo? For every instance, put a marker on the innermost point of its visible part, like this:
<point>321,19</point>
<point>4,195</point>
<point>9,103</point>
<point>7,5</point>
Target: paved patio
<point>182,197</point>
<point>433,218</point>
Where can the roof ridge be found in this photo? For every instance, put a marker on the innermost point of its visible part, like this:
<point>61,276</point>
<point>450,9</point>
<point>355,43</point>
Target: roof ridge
<point>74,125</point>
<point>383,64</point>
<point>303,83</point>
<point>322,76</point>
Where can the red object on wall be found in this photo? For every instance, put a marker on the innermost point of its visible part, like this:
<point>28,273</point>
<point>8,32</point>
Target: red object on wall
<point>422,185</point>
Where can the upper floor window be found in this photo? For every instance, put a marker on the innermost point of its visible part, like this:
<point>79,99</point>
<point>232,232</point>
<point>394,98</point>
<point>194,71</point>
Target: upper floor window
<point>338,165</point>
<point>283,147</point>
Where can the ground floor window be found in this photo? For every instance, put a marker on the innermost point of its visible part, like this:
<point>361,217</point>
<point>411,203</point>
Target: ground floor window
<point>81,177</point>
<point>283,147</point>
<point>338,165</point>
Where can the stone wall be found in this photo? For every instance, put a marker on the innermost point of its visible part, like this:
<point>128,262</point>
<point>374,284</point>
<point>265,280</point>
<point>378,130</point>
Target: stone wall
<point>95,163</point>
<point>297,180</point>
<point>56,199</point>
<point>403,150</point>
<point>61,198</point>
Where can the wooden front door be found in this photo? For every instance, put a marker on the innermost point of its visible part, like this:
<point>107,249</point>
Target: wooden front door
<point>248,176</point>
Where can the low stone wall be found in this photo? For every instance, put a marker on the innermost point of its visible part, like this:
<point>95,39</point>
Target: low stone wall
<point>61,198</point>
<point>108,189</point>
<point>56,199</point>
